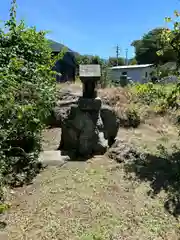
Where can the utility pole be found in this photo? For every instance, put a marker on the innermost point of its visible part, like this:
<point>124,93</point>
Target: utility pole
<point>117,54</point>
<point>126,59</point>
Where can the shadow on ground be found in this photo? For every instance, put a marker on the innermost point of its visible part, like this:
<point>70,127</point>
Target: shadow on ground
<point>163,173</point>
<point>74,157</point>
<point>2,225</point>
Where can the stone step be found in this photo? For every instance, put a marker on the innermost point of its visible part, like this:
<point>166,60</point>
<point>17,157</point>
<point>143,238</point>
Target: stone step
<point>52,158</point>
<point>3,235</point>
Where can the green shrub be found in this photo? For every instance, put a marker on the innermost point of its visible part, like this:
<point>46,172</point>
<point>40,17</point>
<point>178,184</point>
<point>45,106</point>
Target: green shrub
<point>133,118</point>
<point>148,93</point>
<point>27,87</point>
<point>157,99</point>
<point>3,208</point>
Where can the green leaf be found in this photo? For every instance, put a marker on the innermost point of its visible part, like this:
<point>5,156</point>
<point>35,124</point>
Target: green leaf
<point>20,116</point>
<point>4,207</point>
<point>160,52</point>
<point>176,13</point>
<point>168,19</point>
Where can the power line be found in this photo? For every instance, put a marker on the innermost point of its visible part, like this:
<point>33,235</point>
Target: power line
<point>126,59</point>
<point>117,54</point>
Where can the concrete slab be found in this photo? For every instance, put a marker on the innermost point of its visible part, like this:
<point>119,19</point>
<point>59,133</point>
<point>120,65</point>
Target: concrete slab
<point>52,158</point>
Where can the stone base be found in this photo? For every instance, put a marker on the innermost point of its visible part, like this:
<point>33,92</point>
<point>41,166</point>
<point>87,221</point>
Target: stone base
<point>89,128</point>
<point>88,104</point>
<point>82,132</point>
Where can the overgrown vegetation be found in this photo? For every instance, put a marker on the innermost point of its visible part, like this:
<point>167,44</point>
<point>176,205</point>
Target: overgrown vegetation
<point>163,46</point>
<point>146,48</point>
<point>27,89</point>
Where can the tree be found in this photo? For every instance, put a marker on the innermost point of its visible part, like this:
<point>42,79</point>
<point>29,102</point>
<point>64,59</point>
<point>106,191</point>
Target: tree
<point>171,38</point>
<point>82,59</point>
<point>27,87</point>
<point>147,47</point>
<point>113,61</point>
<point>87,59</point>
<point>132,61</point>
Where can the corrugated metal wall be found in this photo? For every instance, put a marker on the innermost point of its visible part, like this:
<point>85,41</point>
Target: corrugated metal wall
<point>136,74</point>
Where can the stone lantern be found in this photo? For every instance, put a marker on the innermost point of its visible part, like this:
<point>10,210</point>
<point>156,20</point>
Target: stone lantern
<point>89,76</point>
<point>86,129</point>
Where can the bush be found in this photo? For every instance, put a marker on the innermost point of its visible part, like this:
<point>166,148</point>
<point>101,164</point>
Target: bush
<point>133,118</point>
<point>149,93</point>
<point>27,87</point>
<point>158,99</point>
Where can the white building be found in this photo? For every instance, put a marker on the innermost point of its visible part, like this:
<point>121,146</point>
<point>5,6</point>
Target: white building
<point>138,73</point>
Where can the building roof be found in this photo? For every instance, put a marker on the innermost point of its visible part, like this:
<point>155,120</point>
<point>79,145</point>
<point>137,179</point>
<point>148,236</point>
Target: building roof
<point>57,47</point>
<point>132,66</point>
<point>69,55</point>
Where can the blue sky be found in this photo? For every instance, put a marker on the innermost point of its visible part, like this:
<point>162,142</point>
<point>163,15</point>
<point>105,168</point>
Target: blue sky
<point>94,27</point>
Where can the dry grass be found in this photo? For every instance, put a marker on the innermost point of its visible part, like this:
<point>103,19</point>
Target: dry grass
<point>117,96</point>
<point>120,99</point>
<point>69,86</point>
<point>152,133</point>
<point>88,201</point>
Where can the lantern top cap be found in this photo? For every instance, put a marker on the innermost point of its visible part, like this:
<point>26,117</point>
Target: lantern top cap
<point>89,70</point>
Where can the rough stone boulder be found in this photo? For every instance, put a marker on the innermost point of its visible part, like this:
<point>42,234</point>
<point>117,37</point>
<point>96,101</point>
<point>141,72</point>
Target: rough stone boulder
<point>89,128</point>
<point>83,133</point>
<point>65,100</point>
<point>111,123</point>
<point>68,95</point>
<point>123,151</point>
<point>60,112</point>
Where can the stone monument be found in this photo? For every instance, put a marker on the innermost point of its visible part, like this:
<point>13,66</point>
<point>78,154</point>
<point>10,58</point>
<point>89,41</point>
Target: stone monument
<point>84,131</point>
